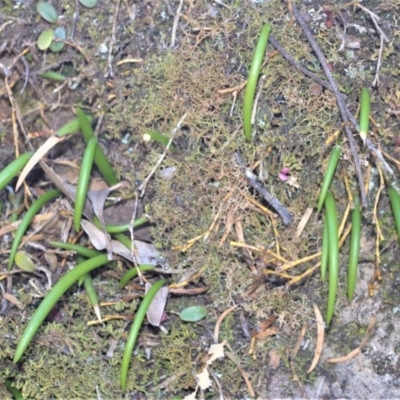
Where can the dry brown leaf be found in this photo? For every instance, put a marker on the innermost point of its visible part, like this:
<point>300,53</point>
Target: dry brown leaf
<point>58,182</point>
<point>298,343</point>
<point>39,154</point>
<point>98,199</point>
<point>155,311</point>
<point>320,338</point>
<point>145,253</point>
<point>303,222</point>
<point>13,300</point>
<point>266,332</point>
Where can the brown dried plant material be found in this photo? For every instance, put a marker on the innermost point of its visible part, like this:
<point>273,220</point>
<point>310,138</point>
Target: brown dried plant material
<point>315,89</point>
<point>320,338</point>
<point>303,222</point>
<point>274,359</point>
<point>219,321</point>
<point>298,343</point>
<point>40,153</point>
<point>357,350</point>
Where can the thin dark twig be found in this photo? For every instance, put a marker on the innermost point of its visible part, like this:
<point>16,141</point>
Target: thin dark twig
<point>339,99</point>
<point>297,65</point>
<point>273,201</point>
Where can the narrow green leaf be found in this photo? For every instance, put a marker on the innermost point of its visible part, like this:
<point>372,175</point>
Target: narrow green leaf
<point>333,266</point>
<point>55,76</point>
<point>51,299</point>
<point>30,214</point>
<point>333,161</point>
<point>12,169</point>
<point>253,78</point>
<point>99,158</point>
<point>365,106</point>
<point>354,250</point>
<point>395,203</point>
<point>83,182</point>
<point>134,332</point>
<point>71,127</point>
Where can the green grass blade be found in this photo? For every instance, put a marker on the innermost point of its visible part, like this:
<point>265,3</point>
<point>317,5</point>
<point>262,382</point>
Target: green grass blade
<point>100,159</point>
<point>133,272</point>
<point>160,138</point>
<point>354,250</point>
<point>395,203</point>
<point>83,182</point>
<point>71,127</point>
<point>12,169</point>
<point>253,78</point>
<point>365,107</point>
<point>120,228</point>
<point>81,250</point>
<point>325,249</point>
<point>28,217</point>
<point>333,254</point>
<point>333,161</point>
<point>137,323</point>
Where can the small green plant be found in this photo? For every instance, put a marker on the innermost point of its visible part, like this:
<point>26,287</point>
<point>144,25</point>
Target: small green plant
<point>133,272</point>
<point>137,323</point>
<point>30,214</point>
<point>325,249</point>
<point>365,106</point>
<point>354,249</point>
<point>120,228</point>
<point>253,78</point>
<point>395,204</point>
<point>333,161</point>
<point>51,299</point>
<point>160,138</point>
<point>83,182</point>
<point>13,169</point>
<point>100,159</point>
<point>333,254</point>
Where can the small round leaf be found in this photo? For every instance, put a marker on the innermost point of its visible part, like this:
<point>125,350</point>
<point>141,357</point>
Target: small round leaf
<point>88,3</point>
<point>45,39</point>
<point>24,262</point>
<point>59,33</point>
<point>193,314</point>
<point>47,12</point>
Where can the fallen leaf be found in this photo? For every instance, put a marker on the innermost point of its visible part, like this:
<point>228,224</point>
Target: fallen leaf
<point>39,154</point>
<point>24,262</point>
<point>203,379</point>
<point>145,253</point>
<point>216,351</point>
<point>155,312</point>
<point>13,300</point>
